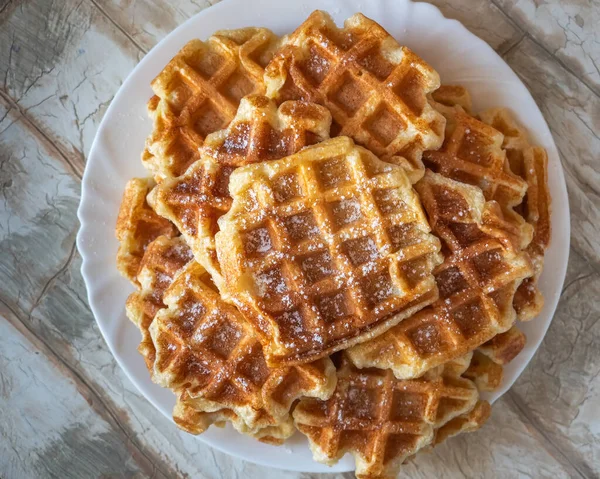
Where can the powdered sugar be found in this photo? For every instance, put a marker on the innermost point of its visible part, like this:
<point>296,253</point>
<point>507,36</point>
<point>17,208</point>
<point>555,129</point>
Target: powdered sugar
<point>258,241</point>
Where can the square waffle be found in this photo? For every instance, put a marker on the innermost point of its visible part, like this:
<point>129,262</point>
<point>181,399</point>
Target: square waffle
<point>194,417</point>
<point>209,355</point>
<point>472,153</point>
<point>198,93</point>
<point>259,132</point>
<point>486,367</point>
<point>375,89</point>
<point>379,419</point>
<point>324,249</point>
<point>531,164</point>
<point>163,259</point>
<point>467,422</point>
<point>477,283</point>
<point>137,226</point>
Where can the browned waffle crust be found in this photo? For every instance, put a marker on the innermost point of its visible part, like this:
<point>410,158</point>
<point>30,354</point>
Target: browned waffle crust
<point>259,132</point>
<point>209,355</point>
<point>198,93</point>
<point>137,226</point>
<point>379,419</point>
<point>375,89</point>
<point>163,259</point>
<point>324,249</point>
<point>477,283</point>
<point>531,164</point>
<point>472,153</point>
<point>526,162</point>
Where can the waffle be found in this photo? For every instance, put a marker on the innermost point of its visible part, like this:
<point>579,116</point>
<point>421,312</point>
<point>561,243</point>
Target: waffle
<point>208,354</point>
<point>163,259</point>
<point>468,422</point>
<point>375,89</point>
<point>198,93</point>
<point>531,164</point>
<point>485,373</point>
<point>195,420</point>
<point>452,96</point>
<point>477,283</point>
<point>379,419</point>
<point>486,368</point>
<point>137,226</point>
<point>259,132</point>
<point>324,249</point>
<point>472,153</point>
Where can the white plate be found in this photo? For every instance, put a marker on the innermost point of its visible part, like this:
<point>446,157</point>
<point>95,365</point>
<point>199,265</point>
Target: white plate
<point>455,53</point>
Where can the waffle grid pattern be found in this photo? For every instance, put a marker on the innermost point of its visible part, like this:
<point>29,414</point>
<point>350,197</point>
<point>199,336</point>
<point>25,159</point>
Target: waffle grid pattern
<point>296,246</point>
<point>199,92</point>
<point>472,153</point>
<point>375,89</point>
<point>259,132</point>
<point>531,164</point>
<point>207,349</point>
<point>344,233</point>
<point>477,282</point>
<point>379,419</point>
<point>137,226</point>
<point>163,259</point>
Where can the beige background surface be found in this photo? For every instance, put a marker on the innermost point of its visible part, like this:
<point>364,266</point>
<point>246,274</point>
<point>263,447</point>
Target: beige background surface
<point>68,411</point>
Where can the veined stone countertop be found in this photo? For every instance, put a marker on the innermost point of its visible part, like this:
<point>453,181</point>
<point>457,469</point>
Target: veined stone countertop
<point>67,409</point>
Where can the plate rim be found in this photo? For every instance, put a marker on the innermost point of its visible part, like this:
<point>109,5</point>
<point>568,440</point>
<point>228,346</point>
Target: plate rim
<point>86,185</point>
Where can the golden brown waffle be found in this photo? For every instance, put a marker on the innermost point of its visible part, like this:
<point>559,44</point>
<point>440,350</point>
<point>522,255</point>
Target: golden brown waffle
<point>486,367</point>
<point>324,249</point>
<point>472,153</point>
<point>477,283</point>
<point>379,419</point>
<point>259,132</point>
<point>503,348</point>
<point>451,96</point>
<point>468,422</point>
<point>209,355</point>
<point>137,226</point>
<point>453,99</point>
<point>163,259</point>
<point>531,164</point>
<point>199,91</point>
<point>195,419</point>
<point>375,89</point>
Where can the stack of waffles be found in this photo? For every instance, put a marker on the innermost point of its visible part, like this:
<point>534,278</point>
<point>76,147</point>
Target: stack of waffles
<point>330,241</point>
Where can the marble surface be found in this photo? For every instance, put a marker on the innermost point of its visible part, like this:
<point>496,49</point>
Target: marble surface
<point>68,410</point>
